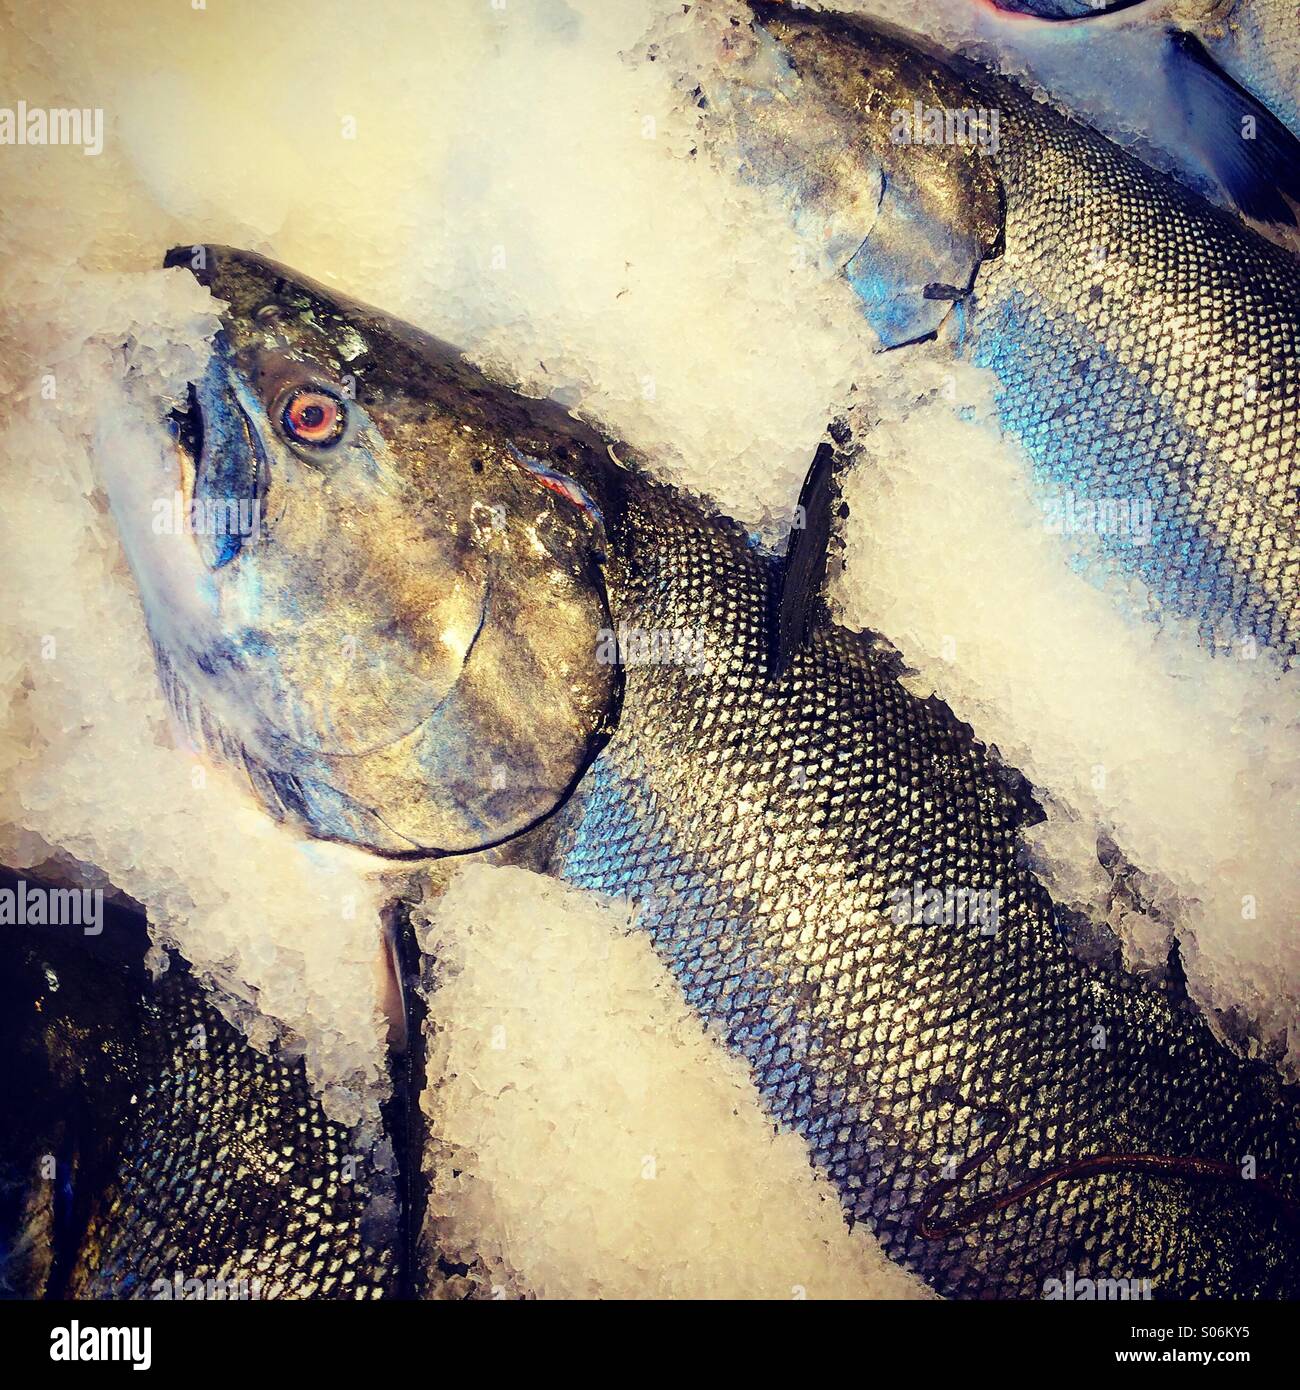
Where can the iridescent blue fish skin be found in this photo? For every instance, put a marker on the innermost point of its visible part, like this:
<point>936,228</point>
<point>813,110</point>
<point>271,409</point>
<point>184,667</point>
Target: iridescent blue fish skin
<point>1147,350</point>
<point>1001,1104</point>
<point>1146,344</point>
<point>777,835</point>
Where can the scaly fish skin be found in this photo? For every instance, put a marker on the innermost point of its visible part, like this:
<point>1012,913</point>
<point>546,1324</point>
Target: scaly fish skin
<point>830,866</point>
<point>150,1152</point>
<point>1146,346</point>
<point>1256,41</point>
<point>785,841</point>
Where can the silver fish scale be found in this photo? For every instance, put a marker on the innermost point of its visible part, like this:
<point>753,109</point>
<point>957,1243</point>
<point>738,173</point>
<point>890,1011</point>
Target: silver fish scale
<point>1148,351</point>
<point>762,825</point>
<point>229,1170</point>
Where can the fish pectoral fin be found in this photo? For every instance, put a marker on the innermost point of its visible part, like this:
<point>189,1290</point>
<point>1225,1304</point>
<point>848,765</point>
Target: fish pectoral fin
<point>921,256</point>
<point>803,569</point>
<point>1251,154</point>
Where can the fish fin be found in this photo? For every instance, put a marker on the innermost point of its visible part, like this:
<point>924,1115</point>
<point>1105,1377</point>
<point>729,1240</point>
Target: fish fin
<point>803,568</point>
<point>918,260</point>
<point>1251,154</point>
<point>1070,11</point>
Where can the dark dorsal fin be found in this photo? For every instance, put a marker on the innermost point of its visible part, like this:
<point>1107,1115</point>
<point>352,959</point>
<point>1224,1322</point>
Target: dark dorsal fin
<point>1254,157</point>
<point>798,582</point>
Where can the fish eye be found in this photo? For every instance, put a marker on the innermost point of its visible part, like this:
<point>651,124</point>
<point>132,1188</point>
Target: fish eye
<point>314,417</point>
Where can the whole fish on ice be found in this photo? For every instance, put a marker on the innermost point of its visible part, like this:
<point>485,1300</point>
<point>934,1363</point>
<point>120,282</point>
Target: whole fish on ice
<point>1207,89</point>
<point>461,622</point>
<point>1146,345</point>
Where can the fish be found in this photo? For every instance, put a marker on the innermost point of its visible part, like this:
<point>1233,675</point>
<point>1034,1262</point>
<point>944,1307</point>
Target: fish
<point>1206,90</point>
<point>1257,41</point>
<point>1061,9</point>
<point>1253,42</point>
<point>830,866</point>
<point>400,669</point>
<point>151,1152</point>
<point>1143,343</point>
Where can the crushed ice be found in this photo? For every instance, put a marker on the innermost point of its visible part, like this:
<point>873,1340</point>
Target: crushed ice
<point>526,183</point>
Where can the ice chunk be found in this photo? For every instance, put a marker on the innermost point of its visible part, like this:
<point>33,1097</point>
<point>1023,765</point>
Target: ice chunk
<point>591,1139</point>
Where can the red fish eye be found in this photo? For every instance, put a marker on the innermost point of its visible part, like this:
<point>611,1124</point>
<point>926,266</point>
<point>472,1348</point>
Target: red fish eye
<point>312,417</point>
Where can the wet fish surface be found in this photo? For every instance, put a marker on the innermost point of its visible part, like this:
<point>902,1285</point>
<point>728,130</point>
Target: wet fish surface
<point>1146,345</point>
<point>790,868</point>
<point>829,865</point>
<point>1205,91</point>
<point>151,1152</point>
<point>1255,41</point>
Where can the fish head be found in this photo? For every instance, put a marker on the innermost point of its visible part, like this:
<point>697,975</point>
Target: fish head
<point>886,151</point>
<point>771,120</point>
<point>385,600</point>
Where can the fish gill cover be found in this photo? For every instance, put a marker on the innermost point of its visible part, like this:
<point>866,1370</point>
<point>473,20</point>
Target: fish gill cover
<point>552,187</point>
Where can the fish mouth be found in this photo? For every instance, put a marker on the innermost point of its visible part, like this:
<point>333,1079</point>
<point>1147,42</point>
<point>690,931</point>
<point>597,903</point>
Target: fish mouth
<point>186,426</point>
<point>215,422</point>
